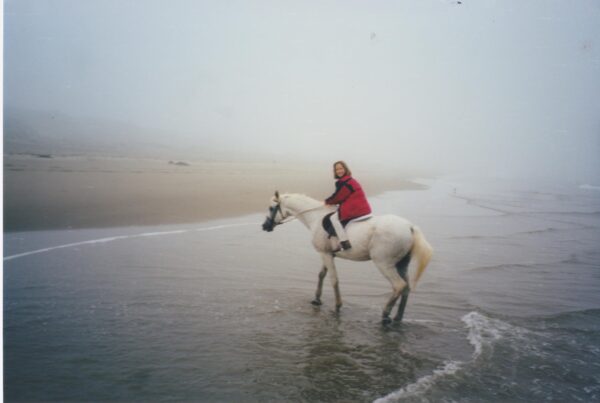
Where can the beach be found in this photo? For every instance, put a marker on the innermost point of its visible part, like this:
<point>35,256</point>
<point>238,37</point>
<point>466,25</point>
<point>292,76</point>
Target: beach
<point>62,192</point>
<point>146,259</point>
<point>219,310</point>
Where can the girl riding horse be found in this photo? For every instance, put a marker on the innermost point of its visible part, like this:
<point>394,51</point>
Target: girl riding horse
<point>351,200</point>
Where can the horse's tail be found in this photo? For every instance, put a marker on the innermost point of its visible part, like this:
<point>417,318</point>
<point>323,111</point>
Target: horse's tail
<point>422,252</point>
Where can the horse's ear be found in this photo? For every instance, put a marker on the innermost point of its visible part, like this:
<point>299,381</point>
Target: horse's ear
<point>277,194</point>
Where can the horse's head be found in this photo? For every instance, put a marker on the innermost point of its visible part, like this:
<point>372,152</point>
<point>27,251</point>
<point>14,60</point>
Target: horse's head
<point>276,214</point>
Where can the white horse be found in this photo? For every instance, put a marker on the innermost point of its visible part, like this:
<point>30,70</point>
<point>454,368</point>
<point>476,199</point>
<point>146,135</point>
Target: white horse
<point>391,242</point>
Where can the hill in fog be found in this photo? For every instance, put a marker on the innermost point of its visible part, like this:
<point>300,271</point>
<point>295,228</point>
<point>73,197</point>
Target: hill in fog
<point>47,132</point>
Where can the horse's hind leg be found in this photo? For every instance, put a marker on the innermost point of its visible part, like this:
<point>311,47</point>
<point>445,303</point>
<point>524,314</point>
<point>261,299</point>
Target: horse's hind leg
<point>402,269</point>
<point>397,291</point>
<point>402,306</point>
<point>322,274</point>
<point>398,285</point>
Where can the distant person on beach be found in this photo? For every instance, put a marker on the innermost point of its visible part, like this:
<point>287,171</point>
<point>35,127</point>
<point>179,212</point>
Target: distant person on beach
<point>351,200</point>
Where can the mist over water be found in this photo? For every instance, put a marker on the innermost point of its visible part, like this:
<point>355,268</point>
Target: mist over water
<point>499,88</point>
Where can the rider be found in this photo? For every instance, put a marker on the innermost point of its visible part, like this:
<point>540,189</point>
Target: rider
<point>351,200</point>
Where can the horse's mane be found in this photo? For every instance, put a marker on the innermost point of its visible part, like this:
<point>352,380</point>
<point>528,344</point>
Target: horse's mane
<point>299,195</point>
<point>311,202</point>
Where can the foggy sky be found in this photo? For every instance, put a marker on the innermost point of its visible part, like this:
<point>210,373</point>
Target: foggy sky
<point>495,87</point>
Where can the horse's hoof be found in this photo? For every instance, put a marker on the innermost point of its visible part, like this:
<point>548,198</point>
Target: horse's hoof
<point>386,321</point>
<point>338,308</point>
<point>316,302</point>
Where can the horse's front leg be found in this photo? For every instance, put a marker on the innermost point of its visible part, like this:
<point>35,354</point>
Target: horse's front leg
<point>322,274</point>
<point>330,266</point>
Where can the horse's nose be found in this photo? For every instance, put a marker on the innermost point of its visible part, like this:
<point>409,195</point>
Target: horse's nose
<point>267,226</point>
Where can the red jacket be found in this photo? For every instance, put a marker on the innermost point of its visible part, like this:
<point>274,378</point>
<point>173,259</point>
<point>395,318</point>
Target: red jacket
<point>351,198</point>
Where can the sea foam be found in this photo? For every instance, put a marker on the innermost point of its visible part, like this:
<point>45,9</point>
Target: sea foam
<point>422,384</point>
<point>482,333</point>
<point>119,237</point>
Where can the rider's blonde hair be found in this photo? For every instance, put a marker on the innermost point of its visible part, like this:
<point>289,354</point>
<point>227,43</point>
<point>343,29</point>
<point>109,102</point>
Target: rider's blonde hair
<point>342,163</point>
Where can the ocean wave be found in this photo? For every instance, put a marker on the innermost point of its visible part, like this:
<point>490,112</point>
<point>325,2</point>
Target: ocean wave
<point>508,236</point>
<point>477,237</point>
<point>120,237</point>
<point>523,207</point>
<point>577,213</point>
<point>538,231</point>
<point>586,320</point>
<point>422,384</point>
<point>547,266</point>
<point>587,186</point>
<point>504,266</point>
<point>483,333</point>
<point>481,204</point>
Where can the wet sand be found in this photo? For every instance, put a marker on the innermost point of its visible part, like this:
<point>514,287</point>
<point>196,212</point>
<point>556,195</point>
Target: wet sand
<point>53,192</point>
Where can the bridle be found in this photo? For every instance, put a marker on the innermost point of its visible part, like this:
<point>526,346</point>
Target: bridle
<point>271,223</point>
<point>277,209</point>
<point>271,218</point>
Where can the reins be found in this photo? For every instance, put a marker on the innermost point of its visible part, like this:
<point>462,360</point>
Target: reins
<point>287,220</point>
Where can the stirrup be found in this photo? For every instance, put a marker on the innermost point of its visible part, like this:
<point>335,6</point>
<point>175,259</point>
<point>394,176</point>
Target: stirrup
<point>345,245</point>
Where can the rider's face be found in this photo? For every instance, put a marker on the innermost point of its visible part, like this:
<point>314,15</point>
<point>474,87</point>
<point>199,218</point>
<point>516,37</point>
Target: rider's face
<point>339,170</point>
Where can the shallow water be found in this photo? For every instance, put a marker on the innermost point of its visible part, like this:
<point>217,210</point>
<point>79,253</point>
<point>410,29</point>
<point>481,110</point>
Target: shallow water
<point>508,310</point>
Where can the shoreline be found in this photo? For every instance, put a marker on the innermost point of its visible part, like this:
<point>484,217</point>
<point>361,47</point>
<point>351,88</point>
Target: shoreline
<point>85,192</point>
